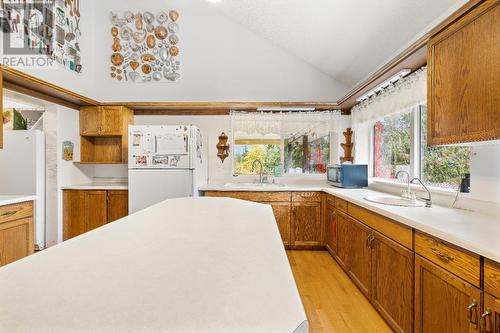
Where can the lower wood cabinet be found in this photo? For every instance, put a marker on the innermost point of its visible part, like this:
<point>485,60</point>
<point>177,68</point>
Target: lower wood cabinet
<point>343,239</point>
<point>306,224</point>
<point>490,318</point>
<point>360,256</point>
<point>443,301</point>
<point>85,210</point>
<point>331,229</point>
<point>392,282</point>
<point>16,232</point>
<point>282,214</point>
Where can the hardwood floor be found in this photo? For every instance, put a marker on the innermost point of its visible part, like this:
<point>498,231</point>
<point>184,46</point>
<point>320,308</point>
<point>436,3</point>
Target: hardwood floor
<point>331,300</point>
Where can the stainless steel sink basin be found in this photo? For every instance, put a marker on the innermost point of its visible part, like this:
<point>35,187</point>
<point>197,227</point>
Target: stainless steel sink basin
<point>394,201</point>
<point>251,185</point>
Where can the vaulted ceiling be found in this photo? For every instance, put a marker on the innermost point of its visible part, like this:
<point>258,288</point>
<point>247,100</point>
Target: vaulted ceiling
<point>346,39</point>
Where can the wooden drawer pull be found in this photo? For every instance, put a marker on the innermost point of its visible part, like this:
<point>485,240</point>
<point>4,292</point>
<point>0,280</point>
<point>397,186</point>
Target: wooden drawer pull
<point>485,320</point>
<point>307,195</point>
<point>472,312</point>
<point>9,213</point>
<point>443,256</point>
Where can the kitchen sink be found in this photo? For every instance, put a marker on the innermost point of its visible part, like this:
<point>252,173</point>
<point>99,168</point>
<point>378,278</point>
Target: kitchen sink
<point>251,185</point>
<point>394,201</point>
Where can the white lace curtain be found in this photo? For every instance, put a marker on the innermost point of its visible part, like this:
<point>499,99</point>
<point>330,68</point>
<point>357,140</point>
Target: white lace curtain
<point>286,123</point>
<point>404,95</point>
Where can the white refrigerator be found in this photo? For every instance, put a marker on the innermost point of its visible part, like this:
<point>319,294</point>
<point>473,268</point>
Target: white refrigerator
<point>164,162</point>
<point>22,172</point>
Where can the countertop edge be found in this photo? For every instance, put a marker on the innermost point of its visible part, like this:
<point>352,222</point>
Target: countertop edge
<point>15,200</point>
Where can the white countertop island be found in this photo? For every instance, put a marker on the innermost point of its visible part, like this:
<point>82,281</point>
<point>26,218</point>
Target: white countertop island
<point>183,265</point>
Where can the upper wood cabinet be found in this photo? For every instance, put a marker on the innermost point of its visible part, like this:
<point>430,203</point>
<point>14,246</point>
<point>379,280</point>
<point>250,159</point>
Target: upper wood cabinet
<point>443,301</point>
<point>104,134</point>
<point>464,78</point>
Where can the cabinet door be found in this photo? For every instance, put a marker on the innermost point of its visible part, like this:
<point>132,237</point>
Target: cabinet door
<point>443,301</point>
<point>90,120</point>
<point>282,212</point>
<point>490,319</point>
<point>112,120</point>
<point>16,240</point>
<point>95,209</point>
<point>359,265</point>
<point>463,78</point>
<point>331,229</point>
<point>83,211</point>
<point>306,221</point>
<point>343,241</point>
<point>392,282</point>
<point>117,205</point>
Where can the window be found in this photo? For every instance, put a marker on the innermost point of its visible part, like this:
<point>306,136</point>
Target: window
<point>400,143</point>
<point>441,166</point>
<point>247,151</point>
<point>391,151</point>
<point>298,154</point>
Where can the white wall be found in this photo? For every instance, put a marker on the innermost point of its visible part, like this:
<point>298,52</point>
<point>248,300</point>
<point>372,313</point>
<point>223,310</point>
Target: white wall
<point>221,61</point>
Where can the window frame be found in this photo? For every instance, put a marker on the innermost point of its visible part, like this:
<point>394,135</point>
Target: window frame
<point>416,155</point>
<point>282,159</point>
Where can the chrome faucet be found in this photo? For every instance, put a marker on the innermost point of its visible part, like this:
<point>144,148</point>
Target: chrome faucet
<point>428,201</point>
<point>406,194</point>
<point>261,169</point>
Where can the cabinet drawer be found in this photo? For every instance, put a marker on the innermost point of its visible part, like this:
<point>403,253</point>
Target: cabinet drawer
<point>330,200</point>
<point>252,196</point>
<point>341,205</point>
<point>16,211</point>
<point>306,196</point>
<point>492,277</point>
<point>387,227</point>
<point>464,264</point>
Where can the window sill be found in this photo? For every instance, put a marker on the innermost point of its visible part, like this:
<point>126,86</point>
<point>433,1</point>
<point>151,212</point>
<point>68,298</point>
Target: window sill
<point>402,186</point>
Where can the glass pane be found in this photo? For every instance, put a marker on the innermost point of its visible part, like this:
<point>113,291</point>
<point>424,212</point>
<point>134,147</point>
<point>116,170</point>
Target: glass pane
<point>246,154</point>
<point>392,145</point>
<point>307,154</point>
<point>442,166</point>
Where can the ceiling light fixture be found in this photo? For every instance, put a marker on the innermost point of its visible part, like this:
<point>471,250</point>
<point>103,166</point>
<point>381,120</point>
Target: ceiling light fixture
<point>214,1</point>
<point>393,79</point>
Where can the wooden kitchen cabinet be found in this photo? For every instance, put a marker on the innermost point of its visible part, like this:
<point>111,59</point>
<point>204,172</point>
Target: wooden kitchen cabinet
<point>392,282</point>
<point>16,232</point>
<point>104,134</point>
<point>343,241</point>
<point>463,78</point>
<point>306,223</point>
<point>282,214</point>
<point>331,229</point>
<point>490,318</point>
<point>85,210</point>
<point>443,301</point>
<point>359,262</point>
<point>117,205</point>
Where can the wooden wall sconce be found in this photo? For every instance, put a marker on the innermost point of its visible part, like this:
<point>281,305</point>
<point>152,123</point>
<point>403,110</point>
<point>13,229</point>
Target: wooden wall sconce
<point>347,146</point>
<point>222,147</point>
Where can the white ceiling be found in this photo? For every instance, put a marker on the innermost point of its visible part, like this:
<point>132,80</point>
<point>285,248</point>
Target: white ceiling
<point>346,39</point>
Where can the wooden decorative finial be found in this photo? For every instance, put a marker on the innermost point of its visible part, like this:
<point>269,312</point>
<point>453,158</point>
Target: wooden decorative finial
<point>347,146</point>
<point>223,147</point>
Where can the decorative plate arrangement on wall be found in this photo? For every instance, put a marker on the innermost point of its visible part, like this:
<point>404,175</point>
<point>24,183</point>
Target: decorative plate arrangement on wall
<point>145,46</point>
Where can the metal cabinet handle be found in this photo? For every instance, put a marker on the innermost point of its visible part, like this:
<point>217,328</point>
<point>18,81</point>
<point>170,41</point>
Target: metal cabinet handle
<point>470,308</point>
<point>443,256</point>
<point>369,241</point>
<point>9,213</point>
<point>484,322</point>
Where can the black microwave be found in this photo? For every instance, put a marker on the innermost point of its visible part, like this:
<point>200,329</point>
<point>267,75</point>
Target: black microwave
<point>348,175</point>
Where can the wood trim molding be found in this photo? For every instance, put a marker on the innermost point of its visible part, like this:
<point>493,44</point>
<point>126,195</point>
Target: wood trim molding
<point>30,85</point>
